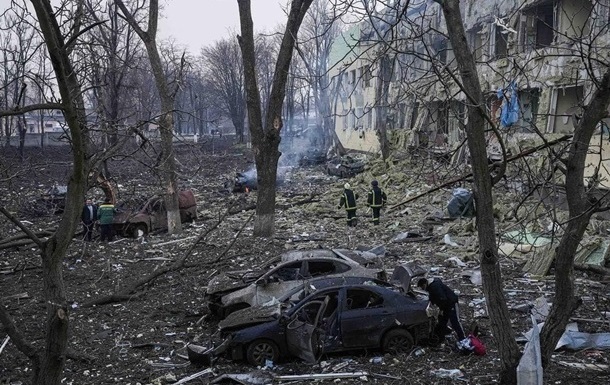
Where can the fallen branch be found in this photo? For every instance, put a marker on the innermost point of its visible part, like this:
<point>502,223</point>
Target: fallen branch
<point>18,223</point>
<point>4,343</point>
<point>193,376</point>
<point>592,268</point>
<point>130,292</point>
<point>230,245</point>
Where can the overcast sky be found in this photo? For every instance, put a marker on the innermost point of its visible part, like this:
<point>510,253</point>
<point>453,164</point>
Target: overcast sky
<point>195,23</point>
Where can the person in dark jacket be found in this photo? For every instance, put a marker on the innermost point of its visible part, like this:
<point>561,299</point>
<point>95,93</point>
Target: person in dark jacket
<point>88,218</point>
<point>442,296</point>
<point>376,200</point>
<point>348,199</point>
<point>105,214</point>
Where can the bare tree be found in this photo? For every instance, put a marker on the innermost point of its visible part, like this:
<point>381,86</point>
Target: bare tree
<point>320,29</point>
<point>167,95</point>
<point>48,362</point>
<point>266,134</point>
<point>225,73</point>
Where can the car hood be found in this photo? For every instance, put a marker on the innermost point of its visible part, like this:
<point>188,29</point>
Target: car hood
<point>250,316</point>
<point>232,280</point>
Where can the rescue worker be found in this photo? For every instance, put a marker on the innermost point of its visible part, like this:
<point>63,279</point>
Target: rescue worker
<point>445,298</point>
<point>376,200</point>
<point>105,215</point>
<point>348,199</point>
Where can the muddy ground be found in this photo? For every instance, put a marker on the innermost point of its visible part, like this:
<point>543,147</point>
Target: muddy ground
<point>141,340</point>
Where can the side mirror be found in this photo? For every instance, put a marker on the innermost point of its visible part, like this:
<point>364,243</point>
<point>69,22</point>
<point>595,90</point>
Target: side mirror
<point>262,282</point>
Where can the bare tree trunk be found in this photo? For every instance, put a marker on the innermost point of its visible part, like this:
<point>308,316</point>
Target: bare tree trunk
<point>266,137</point>
<point>490,268</point>
<point>580,210</point>
<point>168,161</point>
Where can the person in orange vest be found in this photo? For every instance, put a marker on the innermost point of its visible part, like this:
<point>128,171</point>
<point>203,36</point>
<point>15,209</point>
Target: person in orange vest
<point>376,200</point>
<point>348,199</point>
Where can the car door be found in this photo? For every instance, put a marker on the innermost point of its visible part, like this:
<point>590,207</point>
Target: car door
<point>278,281</point>
<point>303,334</point>
<point>365,315</point>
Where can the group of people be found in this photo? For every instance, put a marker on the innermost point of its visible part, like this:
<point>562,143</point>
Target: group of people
<point>376,200</point>
<point>104,215</point>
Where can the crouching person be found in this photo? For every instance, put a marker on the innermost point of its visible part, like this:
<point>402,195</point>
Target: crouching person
<point>446,299</point>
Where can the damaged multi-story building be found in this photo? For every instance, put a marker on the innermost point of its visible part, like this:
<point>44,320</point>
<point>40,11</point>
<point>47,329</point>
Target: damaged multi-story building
<point>395,70</point>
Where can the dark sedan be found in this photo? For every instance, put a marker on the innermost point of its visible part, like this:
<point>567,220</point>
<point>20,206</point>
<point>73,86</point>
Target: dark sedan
<point>336,319</point>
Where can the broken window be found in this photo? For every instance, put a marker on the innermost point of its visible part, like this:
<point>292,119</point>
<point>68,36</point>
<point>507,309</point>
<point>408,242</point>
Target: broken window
<point>528,109</point>
<point>318,268</point>
<point>288,272</point>
<point>366,76</point>
<point>538,25</point>
<point>475,42</point>
<point>573,19</point>
<point>363,299</point>
<point>565,109</point>
<point>500,43</point>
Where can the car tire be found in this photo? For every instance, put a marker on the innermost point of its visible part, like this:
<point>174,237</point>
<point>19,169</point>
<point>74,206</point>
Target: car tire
<point>397,341</point>
<point>259,351</point>
<point>136,228</point>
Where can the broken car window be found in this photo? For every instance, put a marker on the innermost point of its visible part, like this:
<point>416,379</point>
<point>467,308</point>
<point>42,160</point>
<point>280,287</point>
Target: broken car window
<point>363,299</point>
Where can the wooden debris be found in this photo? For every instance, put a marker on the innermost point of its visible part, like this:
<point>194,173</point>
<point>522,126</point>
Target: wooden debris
<point>4,343</point>
<point>193,376</point>
<point>540,261</point>
<point>582,366</point>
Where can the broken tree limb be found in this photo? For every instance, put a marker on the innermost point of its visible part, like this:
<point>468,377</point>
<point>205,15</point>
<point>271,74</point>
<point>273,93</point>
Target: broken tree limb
<point>130,292</point>
<point>230,245</point>
<point>18,339</point>
<point>40,234</point>
<point>193,376</point>
<point>23,228</point>
<point>4,343</point>
<point>461,178</point>
<point>320,376</point>
<point>592,268</point>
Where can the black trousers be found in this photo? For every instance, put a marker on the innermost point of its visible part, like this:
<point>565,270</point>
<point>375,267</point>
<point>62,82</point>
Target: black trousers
<point>88,229</point>
<point>351,218</point>
<point>376,215</point>
<point>106,233</point>
<point>451,315</point>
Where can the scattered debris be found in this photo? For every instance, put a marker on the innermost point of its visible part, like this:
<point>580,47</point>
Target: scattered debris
<point>447,373</point>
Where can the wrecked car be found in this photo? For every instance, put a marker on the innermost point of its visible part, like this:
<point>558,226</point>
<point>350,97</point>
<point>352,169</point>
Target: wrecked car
<point>344,167</point>
<point>153,215</point>
<point>54,198</point>
<point>312,157</point>
<point>268,311</point>
<point>334,319</point>
<point>236,290</point>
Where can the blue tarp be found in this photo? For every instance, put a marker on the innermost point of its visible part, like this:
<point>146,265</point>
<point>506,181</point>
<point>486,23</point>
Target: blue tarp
<point>510,105</point>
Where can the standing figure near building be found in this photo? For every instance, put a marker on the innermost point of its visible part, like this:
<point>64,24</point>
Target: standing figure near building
<point>376,200</point>
<point>88,218</point>
<point>105,214</point>
<point>348,199</point>
<point>445,298</point>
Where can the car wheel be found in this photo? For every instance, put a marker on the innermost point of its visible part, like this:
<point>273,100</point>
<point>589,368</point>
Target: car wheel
<point>397,341</point>
<point>138,228</point>
<point>260,351</point>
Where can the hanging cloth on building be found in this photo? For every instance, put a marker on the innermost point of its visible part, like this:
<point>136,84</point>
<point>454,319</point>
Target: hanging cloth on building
<point>510,105</point>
